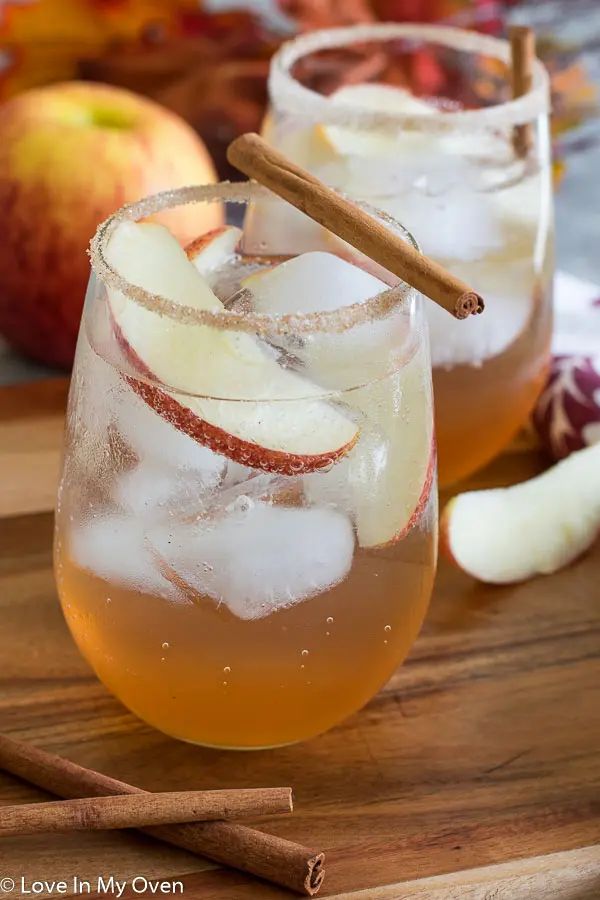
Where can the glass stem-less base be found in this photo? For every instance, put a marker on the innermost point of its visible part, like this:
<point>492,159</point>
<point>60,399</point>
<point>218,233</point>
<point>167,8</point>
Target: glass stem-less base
<point>198,673</point>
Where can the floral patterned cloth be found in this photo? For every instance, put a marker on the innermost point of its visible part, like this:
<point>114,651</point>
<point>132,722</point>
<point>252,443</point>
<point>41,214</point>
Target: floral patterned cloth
<point>567,415</point>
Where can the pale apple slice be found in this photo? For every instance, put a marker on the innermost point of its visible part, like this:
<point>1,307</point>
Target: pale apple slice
<point>272,418</point>
<point>509,534</point>
<point>387,480</point>
<point>384,98</point>
<point>304,144</point>
<point>273,227</point>
<point>392,492</point>
<point>212,250</point>
<point>375,98</point>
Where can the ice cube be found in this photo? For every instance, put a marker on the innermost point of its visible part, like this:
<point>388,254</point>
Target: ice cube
<point>114,548</point>
<point>258,486</point>
<point>317,282</point>
<point>311,282</point>
<point>236,473</point>
<point>260,558</point>
<point>449,222</point>
<point>152,490</point>
<point>243,484</point>
<point>273,227</point>
<point>331,488</point>
<point>153,438</point>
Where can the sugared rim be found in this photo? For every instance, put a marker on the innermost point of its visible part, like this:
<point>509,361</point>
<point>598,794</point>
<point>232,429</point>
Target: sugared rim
<point>336,320</point>
<point>288,95</point>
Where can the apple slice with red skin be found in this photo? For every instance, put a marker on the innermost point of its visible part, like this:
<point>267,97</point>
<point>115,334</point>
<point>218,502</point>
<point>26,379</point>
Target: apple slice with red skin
<point>509,534</point>
<point>213,249</point>
<point>390,502</point>
<point>388,478</point>
<point>428,485</point>
<point>272,419</point>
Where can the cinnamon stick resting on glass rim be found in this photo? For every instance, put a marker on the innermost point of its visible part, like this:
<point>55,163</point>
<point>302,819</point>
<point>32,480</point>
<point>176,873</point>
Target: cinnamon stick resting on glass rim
<point>254,157</point>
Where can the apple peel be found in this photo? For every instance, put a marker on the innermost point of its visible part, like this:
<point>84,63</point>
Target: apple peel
<point>505,535</point>
<point>199,363</point>
<point>263,419</point>
<point>213,249</point>
<point>387,480</point>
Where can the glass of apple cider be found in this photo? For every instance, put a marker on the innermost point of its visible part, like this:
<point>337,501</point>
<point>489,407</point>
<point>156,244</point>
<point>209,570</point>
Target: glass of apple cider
<point>246,527</point>
<point>434,139</point>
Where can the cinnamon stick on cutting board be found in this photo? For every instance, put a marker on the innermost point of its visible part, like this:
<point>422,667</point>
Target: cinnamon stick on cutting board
<point>137,810</point>
<point>270,857</point>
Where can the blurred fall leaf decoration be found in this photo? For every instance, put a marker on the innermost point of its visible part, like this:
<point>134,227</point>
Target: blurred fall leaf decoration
<point>212,67</point>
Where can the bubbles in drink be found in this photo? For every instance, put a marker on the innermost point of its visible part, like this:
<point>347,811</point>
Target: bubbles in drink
<point>151,490</point>
<point>156,440</point>
<point>241,504</point>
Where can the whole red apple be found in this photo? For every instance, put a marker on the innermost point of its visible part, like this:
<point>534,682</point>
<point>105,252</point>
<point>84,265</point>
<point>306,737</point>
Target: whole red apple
<point>70,154</point>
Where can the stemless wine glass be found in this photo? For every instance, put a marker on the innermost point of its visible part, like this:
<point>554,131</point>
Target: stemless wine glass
<point>246,527</point>
<point>437,142</point>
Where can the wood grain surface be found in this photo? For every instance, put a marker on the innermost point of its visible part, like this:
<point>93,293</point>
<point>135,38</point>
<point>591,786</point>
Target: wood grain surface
<point>483,748</point>
<point>31,426</point>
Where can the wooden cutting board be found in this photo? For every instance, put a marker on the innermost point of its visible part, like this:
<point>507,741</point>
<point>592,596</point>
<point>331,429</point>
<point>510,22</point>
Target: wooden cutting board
<point>31,427</point>
<point>474,774</point>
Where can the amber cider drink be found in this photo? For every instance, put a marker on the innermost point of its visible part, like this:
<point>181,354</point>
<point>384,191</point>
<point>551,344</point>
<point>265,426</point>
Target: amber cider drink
<point>244,561</point>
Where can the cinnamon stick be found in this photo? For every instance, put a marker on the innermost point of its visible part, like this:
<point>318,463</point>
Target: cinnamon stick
<point>254,157</point>
<point>522,53</point>
<point>137,810</point>
<point>273,858</point>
